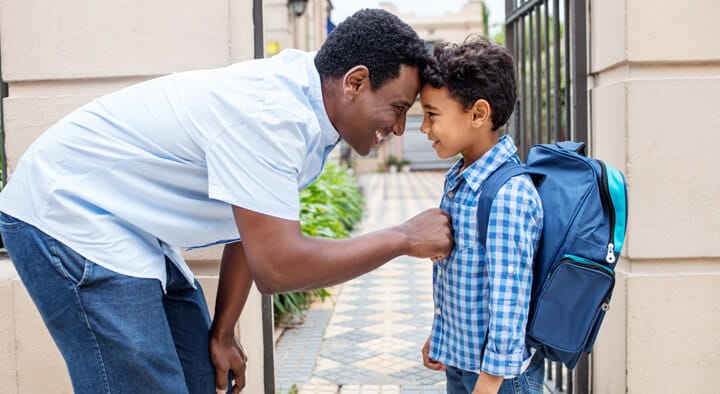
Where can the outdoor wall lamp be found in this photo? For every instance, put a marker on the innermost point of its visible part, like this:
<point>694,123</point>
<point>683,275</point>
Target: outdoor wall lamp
<point>297,6</point>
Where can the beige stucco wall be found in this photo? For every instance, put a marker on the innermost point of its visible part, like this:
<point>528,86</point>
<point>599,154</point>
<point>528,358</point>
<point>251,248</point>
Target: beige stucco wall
<point>57,56</point>
<point>655,86</point>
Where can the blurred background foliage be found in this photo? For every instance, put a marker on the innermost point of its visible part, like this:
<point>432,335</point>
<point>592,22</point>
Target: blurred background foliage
<point>329,208</point>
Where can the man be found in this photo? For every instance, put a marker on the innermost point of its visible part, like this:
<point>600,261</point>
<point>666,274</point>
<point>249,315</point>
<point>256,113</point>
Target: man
<point>98,206</point>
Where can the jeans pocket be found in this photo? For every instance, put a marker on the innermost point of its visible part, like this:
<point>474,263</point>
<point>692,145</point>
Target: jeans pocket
<point>9,224</point>
<point>534,375</point>
<point>74,267</point>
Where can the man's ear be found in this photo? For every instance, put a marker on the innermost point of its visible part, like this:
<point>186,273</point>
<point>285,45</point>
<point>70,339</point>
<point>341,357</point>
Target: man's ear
<point>354,80</point>
<point>481,112</point>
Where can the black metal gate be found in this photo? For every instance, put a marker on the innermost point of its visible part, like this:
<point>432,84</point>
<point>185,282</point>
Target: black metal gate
<point>549,41</point>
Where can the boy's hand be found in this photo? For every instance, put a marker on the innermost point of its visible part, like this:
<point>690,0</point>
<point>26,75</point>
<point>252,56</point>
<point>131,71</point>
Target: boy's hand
<point>427,361</point>
<point>428,234</point>
<point>487,384</point>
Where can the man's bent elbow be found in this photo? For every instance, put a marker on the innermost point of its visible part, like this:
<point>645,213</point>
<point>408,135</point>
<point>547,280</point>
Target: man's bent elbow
<point>267,287</point>
<point>271,282</point>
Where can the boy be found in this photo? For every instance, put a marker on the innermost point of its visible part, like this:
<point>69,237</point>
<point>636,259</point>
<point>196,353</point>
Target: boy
<point>481,296</point>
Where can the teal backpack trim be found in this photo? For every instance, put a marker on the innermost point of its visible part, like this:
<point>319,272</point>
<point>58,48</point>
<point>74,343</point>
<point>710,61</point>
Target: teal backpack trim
<point>588,262</point>
<point>616,184</point>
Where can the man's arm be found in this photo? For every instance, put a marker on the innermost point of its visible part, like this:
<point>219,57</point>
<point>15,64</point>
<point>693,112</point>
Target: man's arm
<point>233,289</point>
<point>281,259</point>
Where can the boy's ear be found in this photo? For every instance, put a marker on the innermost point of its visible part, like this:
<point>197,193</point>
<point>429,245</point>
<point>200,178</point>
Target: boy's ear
<point>481,112</point>
<point>354,80</point>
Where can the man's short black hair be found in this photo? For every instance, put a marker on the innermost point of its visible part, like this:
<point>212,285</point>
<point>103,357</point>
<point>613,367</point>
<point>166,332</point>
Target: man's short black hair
<point>376,39</point>
<point>476,69</point>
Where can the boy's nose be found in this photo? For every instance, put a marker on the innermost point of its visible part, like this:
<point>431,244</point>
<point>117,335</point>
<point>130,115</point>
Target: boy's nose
<point>424,127</point>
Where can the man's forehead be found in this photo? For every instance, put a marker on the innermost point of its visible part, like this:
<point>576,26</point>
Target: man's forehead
<point>410,80</point>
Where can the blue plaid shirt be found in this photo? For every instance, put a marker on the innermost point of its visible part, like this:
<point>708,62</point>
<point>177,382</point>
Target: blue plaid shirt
<point>482,297</point>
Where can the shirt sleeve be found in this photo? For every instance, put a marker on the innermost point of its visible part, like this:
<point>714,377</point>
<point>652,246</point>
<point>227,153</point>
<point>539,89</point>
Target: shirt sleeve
<point>513,233</point>
<point>256,164</point>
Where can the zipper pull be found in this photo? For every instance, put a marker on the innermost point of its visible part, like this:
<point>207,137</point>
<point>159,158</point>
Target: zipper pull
<point>610,258</point>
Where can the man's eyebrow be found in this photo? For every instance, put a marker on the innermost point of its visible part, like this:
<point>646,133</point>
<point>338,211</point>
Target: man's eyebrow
<point>404,103</point>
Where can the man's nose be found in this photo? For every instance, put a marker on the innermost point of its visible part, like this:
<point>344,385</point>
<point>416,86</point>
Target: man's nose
<point>399,127</point>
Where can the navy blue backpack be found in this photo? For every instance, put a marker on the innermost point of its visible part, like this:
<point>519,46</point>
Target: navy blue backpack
<point>585,215</point>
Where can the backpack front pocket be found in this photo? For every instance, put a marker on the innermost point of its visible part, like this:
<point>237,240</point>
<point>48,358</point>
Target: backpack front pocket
<point>571,304</point>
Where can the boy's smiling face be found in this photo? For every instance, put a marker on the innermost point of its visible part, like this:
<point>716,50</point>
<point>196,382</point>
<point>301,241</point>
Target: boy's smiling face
<point>452,128</point>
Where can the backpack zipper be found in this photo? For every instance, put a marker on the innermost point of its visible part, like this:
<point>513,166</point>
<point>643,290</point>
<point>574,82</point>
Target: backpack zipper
<point>605,190</point>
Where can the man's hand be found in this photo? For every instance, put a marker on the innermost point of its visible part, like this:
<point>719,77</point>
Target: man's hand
<point>227,355</point>
<point>429,234</point>
<point>427,361</point>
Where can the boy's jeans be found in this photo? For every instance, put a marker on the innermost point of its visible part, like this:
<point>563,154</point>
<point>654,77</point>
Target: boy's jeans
<point>117,333</point>
<point>529,382</point>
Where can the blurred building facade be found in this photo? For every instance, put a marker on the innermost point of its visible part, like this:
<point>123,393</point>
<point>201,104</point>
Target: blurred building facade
<point>304,27</point>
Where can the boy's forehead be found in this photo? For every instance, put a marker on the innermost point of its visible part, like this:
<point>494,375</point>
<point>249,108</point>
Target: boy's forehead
<point>430,92</point>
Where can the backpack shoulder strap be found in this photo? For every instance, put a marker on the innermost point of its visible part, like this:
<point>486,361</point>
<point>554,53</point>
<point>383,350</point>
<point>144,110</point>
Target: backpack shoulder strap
<point>488,191</point>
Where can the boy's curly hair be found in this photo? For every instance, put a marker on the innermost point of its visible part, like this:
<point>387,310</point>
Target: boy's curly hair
<point>376,39</point>
<point>476,69</point>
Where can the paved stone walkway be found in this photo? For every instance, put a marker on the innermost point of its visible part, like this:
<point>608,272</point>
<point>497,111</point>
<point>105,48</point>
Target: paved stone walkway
<point>369,341</point>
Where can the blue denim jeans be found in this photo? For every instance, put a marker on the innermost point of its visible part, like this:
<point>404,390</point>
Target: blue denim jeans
<point>118,334</point>
<point>529,382</point>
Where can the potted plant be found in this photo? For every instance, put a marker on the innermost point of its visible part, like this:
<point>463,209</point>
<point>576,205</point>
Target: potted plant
<point>405,165</point>
<point>392,163</point>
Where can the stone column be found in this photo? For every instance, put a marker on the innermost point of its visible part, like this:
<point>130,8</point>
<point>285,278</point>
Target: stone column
<point>655,89</point>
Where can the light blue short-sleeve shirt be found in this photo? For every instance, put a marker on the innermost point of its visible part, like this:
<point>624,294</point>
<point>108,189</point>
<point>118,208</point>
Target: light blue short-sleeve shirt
<point>130,177</point>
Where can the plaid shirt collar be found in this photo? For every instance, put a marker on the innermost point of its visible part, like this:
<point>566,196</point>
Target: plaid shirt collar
<point>481,169</point>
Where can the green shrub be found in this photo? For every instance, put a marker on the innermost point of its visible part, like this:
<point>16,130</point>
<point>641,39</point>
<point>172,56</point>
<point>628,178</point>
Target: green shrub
<point>329,208</point>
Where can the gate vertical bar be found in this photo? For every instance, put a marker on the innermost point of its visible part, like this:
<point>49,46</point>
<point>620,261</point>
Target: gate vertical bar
<point>266,301</point>
<point>556,71</point>
<point>531,129</point>
<point>511,41</point>
<point>579,51</point>
<point>582,376</point>
<point>522,80</point>
<point>537,133</point>
<point>567,131</point>
<point>548,104</point>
